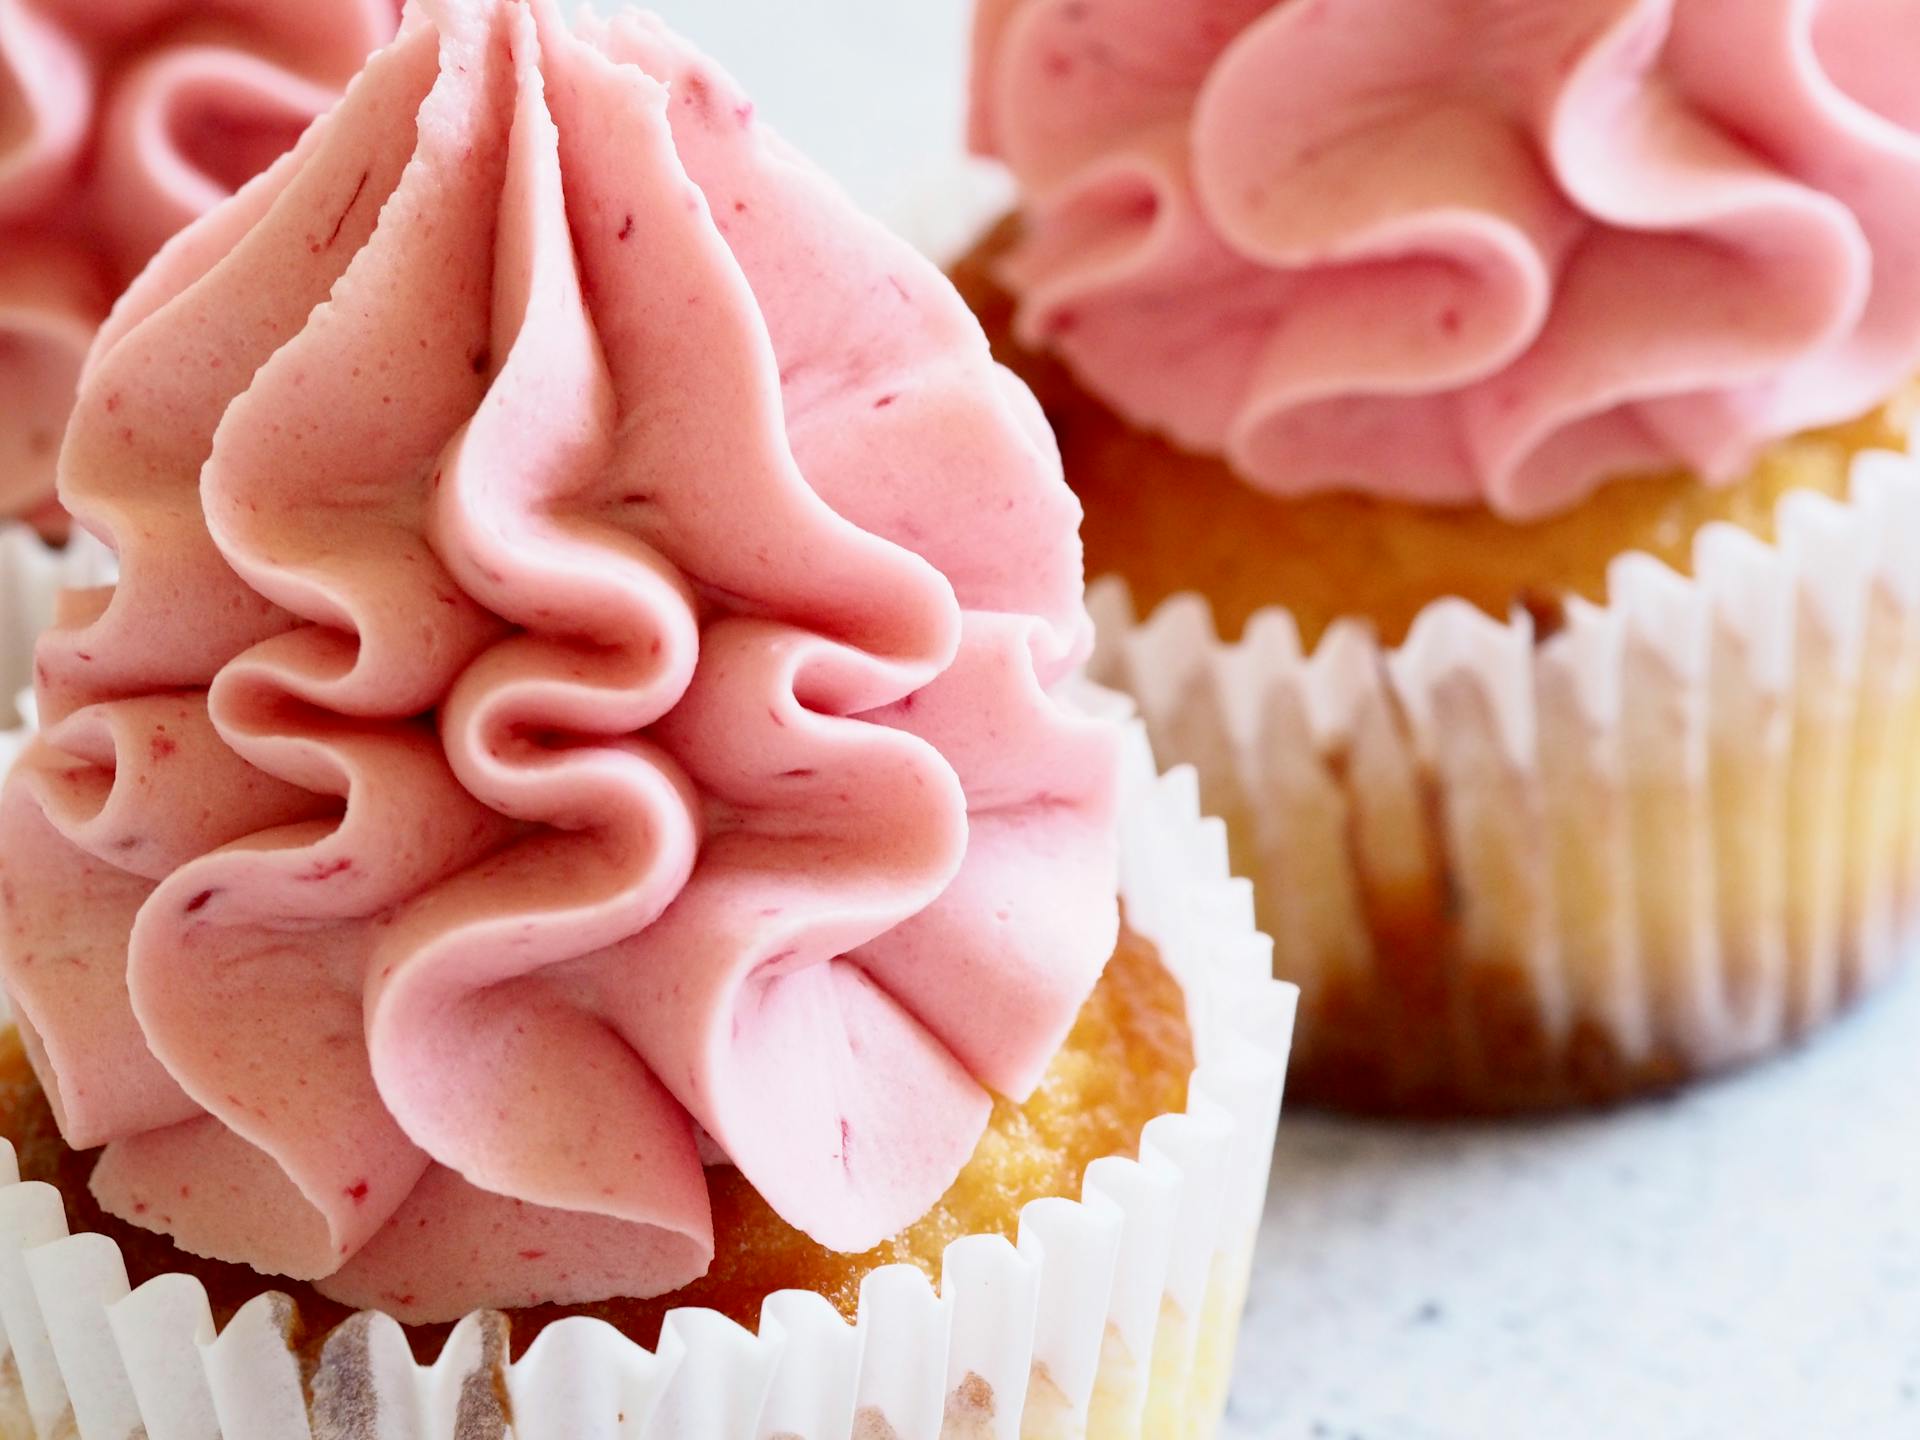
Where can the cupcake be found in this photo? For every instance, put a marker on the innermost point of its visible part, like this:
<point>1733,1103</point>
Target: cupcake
<point>1499,415</point>
<point>125,119</point>
<point>566,849</point>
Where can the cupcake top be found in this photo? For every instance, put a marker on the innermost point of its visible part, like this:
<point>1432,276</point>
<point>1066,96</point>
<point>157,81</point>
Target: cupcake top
<point>576,700</point>
<point>120,121</point>
<point>1484,253</point>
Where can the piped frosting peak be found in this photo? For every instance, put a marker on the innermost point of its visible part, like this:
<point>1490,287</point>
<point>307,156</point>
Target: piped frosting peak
<point>1494,252</point>
<point>579,682</point>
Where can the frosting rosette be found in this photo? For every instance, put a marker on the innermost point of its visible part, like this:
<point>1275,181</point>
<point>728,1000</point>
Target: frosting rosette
<point>120,121</point>
<point>1492,252</point>
<point>577,700</point>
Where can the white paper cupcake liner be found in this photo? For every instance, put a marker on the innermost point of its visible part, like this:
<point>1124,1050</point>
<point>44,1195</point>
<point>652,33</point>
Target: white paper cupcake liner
<point>1512,868</point>
<point>1114,1314</point>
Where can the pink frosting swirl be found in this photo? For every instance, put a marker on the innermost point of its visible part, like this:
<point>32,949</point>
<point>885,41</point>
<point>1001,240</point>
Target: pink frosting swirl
<point>578,682</point>
<point>120,121</point>
<point>1491,252</point>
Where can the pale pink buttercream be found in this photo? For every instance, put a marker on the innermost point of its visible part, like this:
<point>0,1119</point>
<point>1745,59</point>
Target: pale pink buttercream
<point>120,121</point>
<point>1496,251</point>
<point>578,681</point>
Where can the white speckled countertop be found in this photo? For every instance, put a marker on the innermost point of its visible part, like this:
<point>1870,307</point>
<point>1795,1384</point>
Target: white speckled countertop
<point>1743,1261</point>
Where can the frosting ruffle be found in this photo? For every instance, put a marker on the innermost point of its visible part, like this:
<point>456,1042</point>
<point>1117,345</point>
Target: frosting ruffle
<point>1491,253</point>
<point>578,683</point>
<point>120,121</point>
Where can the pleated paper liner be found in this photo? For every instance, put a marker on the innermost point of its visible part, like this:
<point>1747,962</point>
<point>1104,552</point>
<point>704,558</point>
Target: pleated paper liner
<point>1567,860</point>
<point>1115,1314</point>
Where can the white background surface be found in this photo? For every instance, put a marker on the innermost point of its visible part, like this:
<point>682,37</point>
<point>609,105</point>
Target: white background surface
<point>1741,1262</point>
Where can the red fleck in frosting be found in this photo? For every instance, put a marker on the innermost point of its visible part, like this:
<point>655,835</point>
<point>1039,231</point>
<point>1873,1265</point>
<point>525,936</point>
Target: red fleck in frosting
<point>579,682</point>
<point>1480,251</point>
<point>120,121</point>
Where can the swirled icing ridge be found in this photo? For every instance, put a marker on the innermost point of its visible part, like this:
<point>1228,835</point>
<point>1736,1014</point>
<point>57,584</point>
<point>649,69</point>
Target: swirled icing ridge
<point>1495,252</point>
<point>119,123</point>
<point>613,700</point>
